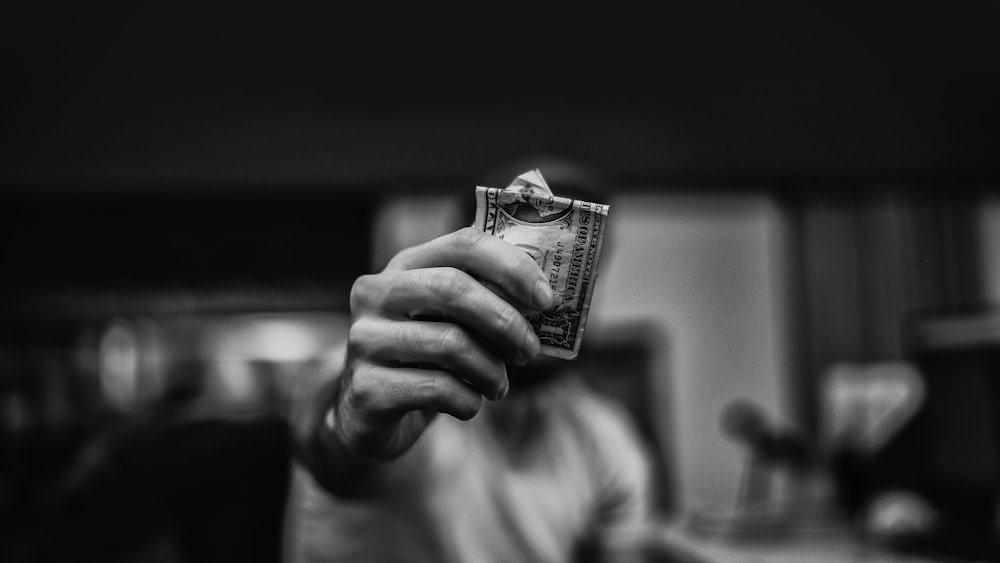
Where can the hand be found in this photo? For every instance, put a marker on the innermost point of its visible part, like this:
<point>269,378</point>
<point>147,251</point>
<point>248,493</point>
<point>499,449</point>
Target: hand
<point>427,336</point>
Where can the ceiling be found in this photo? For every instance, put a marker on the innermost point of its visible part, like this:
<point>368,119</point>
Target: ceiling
<point>429,40</point>
<point>313,94</point>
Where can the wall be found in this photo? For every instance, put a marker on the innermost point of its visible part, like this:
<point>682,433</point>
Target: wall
<point>989,233</point>
<point>709,270</point>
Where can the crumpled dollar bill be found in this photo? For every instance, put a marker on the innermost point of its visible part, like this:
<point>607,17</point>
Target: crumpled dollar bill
<point>564,236</point>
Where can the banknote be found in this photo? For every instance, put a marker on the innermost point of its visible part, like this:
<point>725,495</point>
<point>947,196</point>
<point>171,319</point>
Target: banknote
<point>564,236</point>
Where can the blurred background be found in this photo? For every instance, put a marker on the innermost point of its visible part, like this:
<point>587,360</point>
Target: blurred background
<point>805,234</point>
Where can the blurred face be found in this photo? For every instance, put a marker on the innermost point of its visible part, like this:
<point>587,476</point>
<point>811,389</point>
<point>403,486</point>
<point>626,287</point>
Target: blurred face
<point>541,370</point>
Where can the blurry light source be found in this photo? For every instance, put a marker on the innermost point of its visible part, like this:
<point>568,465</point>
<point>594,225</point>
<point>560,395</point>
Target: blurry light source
<point>269,338</point>
<point>118,364</point>
<point>283,341</point>
<point>253,359</point>
<point>235,386</point>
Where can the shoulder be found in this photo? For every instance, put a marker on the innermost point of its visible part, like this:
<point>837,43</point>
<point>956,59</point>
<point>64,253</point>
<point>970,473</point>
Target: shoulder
<point>605,429</point>
<point>618,459</point>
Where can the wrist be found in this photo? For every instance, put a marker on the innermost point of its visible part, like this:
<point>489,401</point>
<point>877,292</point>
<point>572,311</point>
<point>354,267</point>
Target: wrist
<point>334,465</point>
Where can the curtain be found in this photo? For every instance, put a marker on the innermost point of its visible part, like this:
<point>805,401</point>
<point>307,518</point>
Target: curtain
<point>865,262</point>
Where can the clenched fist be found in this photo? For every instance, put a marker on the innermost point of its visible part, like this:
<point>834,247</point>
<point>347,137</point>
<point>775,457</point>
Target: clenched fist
<point>427,336</point>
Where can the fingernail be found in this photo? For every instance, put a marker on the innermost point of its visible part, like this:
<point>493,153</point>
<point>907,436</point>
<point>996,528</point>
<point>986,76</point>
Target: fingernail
<point>541,296</point>
<point>504,390</point>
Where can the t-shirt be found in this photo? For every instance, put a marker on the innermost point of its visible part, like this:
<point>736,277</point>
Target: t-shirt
<point>464,494</point>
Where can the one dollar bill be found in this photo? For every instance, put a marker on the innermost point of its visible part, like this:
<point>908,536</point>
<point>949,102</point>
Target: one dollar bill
<point>564,236</point>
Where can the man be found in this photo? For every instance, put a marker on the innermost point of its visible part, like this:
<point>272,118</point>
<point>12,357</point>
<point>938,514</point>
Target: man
<point>542,470</point>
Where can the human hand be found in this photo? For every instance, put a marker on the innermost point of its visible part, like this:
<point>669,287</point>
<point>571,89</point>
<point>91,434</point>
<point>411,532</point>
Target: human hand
<point>427,337</point>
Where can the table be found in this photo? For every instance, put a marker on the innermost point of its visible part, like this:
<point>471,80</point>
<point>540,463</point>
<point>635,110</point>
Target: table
<point>834,543</point>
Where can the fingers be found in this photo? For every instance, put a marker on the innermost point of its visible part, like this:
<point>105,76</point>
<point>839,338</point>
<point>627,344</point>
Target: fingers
<point>435,345</point>
<point>451,295</point>
<point>431,333</point>
<point>385,394</point>
<point>485,257</point>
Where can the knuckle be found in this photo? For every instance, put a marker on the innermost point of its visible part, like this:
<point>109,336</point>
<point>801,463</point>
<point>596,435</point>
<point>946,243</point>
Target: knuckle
<point>467,238</point>
<point>405,339</point>
<point>509,320</point>
<point>432,389</point>
<point>364,392</point>
<point>445,394</point>
<point>359,339</point>
<point>450,342</point>
<point>363,292</point>
<point>452,283</point>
